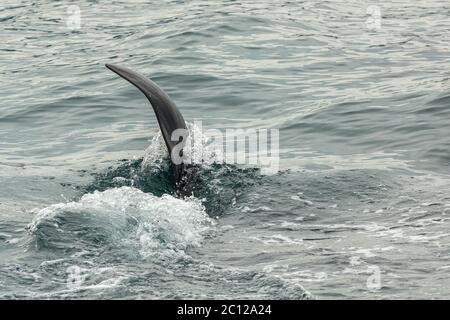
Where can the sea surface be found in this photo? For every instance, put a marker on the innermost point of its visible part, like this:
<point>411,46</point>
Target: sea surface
<point>360,205</point>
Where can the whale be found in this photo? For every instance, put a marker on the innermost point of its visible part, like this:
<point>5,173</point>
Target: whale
<point>171,122</point>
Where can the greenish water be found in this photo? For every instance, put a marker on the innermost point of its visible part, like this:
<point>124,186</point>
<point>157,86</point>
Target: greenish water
<point>359,209</point>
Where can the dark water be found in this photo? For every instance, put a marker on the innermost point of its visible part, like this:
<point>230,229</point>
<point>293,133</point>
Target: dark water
<point>359,209</point>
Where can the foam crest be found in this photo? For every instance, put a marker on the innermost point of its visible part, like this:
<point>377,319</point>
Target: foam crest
<point>123,218</point>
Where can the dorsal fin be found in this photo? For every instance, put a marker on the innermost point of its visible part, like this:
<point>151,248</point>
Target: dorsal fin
<point>167,114</point>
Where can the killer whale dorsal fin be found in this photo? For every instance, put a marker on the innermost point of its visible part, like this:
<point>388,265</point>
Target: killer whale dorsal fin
<point>168,116</point>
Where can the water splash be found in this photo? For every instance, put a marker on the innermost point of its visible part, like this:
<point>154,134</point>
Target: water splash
<point>122,218</point>
<point>155,155</point>
<point>215,184</point>
<point>199,148</point>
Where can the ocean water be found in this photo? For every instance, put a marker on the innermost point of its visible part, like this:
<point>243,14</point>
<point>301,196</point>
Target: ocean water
<point>360,206</point>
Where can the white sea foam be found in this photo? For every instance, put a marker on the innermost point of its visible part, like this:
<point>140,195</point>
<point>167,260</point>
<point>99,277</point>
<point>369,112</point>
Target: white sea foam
<point>199,148</point>
<point>155,153</point>
<point>155,225</point>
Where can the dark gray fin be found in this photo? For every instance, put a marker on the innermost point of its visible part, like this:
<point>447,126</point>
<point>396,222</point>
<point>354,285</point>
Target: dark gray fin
<point>167,114</point>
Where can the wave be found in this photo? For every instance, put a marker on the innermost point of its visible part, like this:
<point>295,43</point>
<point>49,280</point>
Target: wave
<point>122,218</point>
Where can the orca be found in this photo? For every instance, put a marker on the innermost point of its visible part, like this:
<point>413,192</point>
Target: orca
<point>169,117</point>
